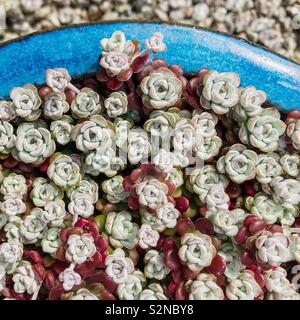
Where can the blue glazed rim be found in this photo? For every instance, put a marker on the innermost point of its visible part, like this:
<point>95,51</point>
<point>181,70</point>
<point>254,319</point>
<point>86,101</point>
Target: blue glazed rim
<point>76,48</point>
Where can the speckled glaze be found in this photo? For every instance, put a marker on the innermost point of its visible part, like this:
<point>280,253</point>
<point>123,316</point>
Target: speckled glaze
<point>77,48</point>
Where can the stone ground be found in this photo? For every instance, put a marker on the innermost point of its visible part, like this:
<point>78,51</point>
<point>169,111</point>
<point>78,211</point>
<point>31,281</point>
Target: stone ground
<point>272,23</point>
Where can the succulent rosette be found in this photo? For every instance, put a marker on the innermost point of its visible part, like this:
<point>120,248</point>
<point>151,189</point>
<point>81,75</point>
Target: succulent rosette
<point>160,123</point>
<point>33,143</point>
<point>113,189</point>
<point>132,288</point>
<point>293,132</point>
<point>14,184</point>
<point>268,167</point>
<point>12,205</point>
<point>264,131</point>
<point>208,148</point>
<point>86,104</point>
<point>51,242</point>
<point>86,186</point>
<point>64,171</point>
<point>10,254</point>
<point>203,178</point>
<point>161,89</point>
<point>232,256</point>
<point>154,265</point>
<point>24,278</point>
<point>55,105</point>
<point>7,112</point>
<point>250,103</point>
<point>285,190</point>
<point>153,292</point>
<point>54,212</point>
<point>26,102</point>
<point>216,198</point>
<point>44,191</point>
<point>139,146</point>
<point>61,130</point>
<point>204,124</point>
<point>7,137</point>
<point>290,164</point>
<point>122,129</point>
<point>121,231</point>
<point>196,251</point>
<point>204,287</point>
<point>69,278</point>
<point>220,91</point>
<point>116,104</point>
<point>81,205</point>
<point>239,163</point>
<point>244,287</point>
<point>58,79</point>
<point>96,133</point>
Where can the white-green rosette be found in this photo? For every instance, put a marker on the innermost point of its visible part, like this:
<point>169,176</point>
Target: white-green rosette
<point>227,222</point>
<point>268,167</point>
<point>239,163</point>
<point>217,199</point>
<point>151,219</point>
<point>33,227</point>
<point>2,278</point>
<point>117,42</point>
<point>250,103</point>
<point>12,205</point>
<point>139,146</point>
<point>285,190</point>
<point>152,193</point>
<point>161,89</point>
<point>176,176</point>
<point>86,104</point>
<point>196,251</point>
<point>7,112</point>
<point>64,171</point>
<point>107,162</point>
<point>11,253</point>
<point>264,207</point>
<point>263,131</point>
<point>293,132</point>
<point>276,280</point>
<point>51,241</point>
<point>244,287</point>
<point>26,102</point>
<point>61,130</point>
<point>154,291</point>
<point>161,123</point>
<point>81,205</point>
<point>43,191</point>
<point>12,228</point>
<point>131,289</point>
<point>14,184</point>
<point>204,124</point>
<point>113,189</point>
<point>80,248</point>
<point>232,256</point>
<point>69,278</point>
<point>202,179</point>
<point>83,294</point>
<point>289,294</point>
<point>7,137</point>
<point>54,213</point>
<point>34,143</point>
<point>95,133</point>
<point>154,265</point>
<point>116,104</point>
<point>121,231</point>
<point>24,279</point>
<point>164,160</point>
<point>220,91</point>
<point>294,245</point>
<point>290,164</point>
<point>289,213</point>
<point>183,136</point>
<point>86,186</point>
<point>207,148</point>
<point>166,216</point>
<point>55,105</point>
<point>3,220</point>
<point>118,266</point>
<point>147,236</point>
<point>122,129</point>
<point>204,287</point>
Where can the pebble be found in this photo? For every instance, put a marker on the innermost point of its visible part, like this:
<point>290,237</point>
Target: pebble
<point>272,23</point>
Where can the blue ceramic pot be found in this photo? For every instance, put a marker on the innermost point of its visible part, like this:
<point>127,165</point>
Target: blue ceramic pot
<point>77,49</point>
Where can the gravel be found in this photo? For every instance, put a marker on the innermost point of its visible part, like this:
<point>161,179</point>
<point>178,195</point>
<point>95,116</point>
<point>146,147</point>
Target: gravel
<point>272,23</point>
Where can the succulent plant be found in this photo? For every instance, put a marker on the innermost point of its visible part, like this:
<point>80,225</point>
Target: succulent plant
<point>51,242</point>
<point>290,164</point>
<point>86,186</point>
<point>114,190</point>
<point>7,112</point>
<point>264,131</point>
<point>24,279</point>
<point>116,104</point>
<point>14,184</point>
<point>161,89</point>
<point>154,291</point>
<point>33,143</point>
<point>239,163</point>
<point>7,137</point>
<point>293,132</point>
<point>160,123</point>
<point>220,91</point>
<point>268,167</point>
<point>132,288</point>
<point>55,105</point>
<point>61,130</point>
<point>154,265</point>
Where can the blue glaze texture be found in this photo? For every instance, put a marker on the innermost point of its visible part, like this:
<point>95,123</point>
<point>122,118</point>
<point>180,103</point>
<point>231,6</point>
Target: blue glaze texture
<point>77,49</point>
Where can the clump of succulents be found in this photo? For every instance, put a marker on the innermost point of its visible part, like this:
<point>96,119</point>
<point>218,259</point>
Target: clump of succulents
<point>147,183</point>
